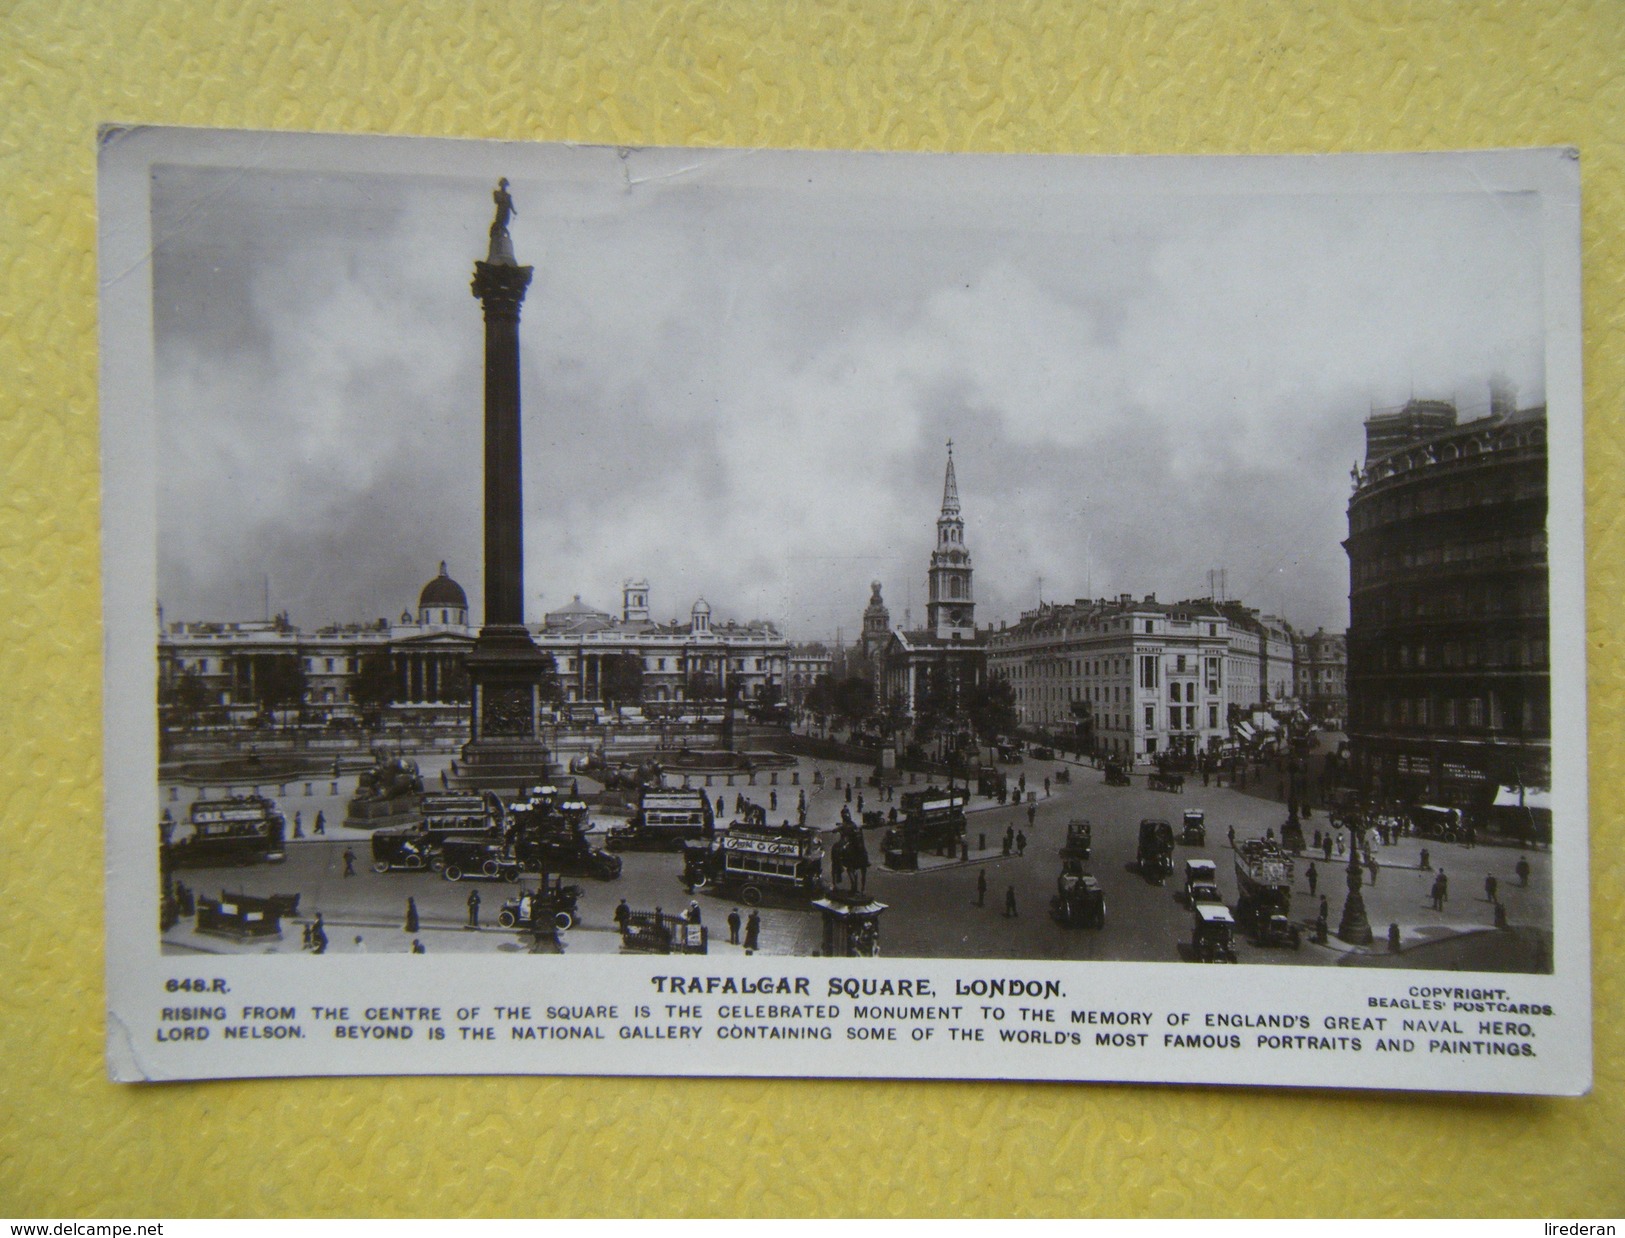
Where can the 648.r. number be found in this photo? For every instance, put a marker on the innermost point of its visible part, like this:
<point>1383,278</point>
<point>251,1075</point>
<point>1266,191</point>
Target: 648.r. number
<point>196,985</point>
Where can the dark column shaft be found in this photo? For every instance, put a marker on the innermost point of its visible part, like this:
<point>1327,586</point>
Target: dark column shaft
<point>501,290</point>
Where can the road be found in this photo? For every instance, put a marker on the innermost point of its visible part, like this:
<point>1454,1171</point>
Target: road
<point>933,912</point>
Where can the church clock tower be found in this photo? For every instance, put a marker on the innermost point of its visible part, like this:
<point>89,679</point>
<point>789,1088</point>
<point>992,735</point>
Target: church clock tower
<point>951,610</point>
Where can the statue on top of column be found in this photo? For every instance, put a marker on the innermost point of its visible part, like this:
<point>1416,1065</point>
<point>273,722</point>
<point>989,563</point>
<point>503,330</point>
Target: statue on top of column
<point>505,210</point>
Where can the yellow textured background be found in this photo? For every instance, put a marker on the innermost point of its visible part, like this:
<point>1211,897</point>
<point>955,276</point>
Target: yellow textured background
<point>1062,77</point>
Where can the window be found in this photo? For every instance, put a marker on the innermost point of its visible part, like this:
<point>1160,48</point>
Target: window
<point>1212,717</point>
<point>1148,627</point>
<point>1173,717</point>
<point>1148,671</point>
<point>1150,717</point>
<point>1173,692</point>
<point>1190,717</point>
<point>1179,663</point>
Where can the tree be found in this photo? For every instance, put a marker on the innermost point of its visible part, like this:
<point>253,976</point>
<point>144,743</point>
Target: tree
<point>854,699</point>
<point>620,680</point>
<point>991,706</point>
<point>279,681</point>
<point>373,688</point>
<point>183,698</point>
<point>548,690</point>
<point>702,686</point>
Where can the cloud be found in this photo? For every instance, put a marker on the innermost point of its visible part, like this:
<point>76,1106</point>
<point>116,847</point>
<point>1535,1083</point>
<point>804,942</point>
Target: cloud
<point>741,389</point>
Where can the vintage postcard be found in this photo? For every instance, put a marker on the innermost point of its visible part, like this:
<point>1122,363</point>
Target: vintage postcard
<point>575,610</point>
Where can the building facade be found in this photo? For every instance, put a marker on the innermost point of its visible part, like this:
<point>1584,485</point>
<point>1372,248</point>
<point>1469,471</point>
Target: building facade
<point>1139,678</point>
<point>807,664</point>
<point>416,665</point>
<point>1448,665</point>
<point>1322,661</point>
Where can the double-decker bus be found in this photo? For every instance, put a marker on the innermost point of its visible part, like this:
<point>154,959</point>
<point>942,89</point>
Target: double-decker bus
<point>664,821</point>
<point>751,862</point>
<point>245,829</point>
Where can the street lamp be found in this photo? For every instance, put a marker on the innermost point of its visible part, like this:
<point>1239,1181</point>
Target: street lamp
<point>1355,927</point>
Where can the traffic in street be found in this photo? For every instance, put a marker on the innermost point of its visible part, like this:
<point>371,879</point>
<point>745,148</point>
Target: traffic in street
<point>993,897</point>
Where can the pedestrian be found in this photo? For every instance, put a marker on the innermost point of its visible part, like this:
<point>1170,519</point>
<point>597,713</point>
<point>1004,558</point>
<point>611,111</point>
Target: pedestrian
<point>801,816</point>
<point>1325,907</point>
<point>1444,889</point>
<point>891,816</point>
<point>849,793</point>
<point>318,936</point>
<point>693,913</point>
<point>1340,846</point>
<point>1314,878</point>
<point>1427,861</point>
<point>753,931</point>
<point>773,800</point>
<point>349,862</point>
<point>1326,847</point>
<point>321,822</point>
<point>1317,840</point>
<point>623,916</point>
<point>1371,867</point>
<point>417,947</point>
<point>443,784</point>
<point>1490,886</point>
<point>964,851</point>
<point>1032,811</point>
<point>1523,870</point>
<point>801,799</point>
<point>411,925</point>
<point>1046,788</point>
<point>298,831</point>
<point>1010,902</point>
<point>733,927</point>
<point>1320,924</point>
<point>473,909</point>
<point>305,939</point>
<point>981,887</point>
<point>1021,843</point>
<point>660,919</point>
<point>1232,832</point>
<point>1434,896</point>
<point>860,804</point>
<point>722,806</point>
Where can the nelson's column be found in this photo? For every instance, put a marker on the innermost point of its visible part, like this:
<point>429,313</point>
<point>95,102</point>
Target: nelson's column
<point>505,667</point>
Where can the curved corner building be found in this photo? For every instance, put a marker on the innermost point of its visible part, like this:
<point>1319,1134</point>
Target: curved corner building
<point>1448,673</point>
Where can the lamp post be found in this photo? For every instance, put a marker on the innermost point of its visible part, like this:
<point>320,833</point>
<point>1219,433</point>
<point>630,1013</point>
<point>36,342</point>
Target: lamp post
<point>1354,928</point>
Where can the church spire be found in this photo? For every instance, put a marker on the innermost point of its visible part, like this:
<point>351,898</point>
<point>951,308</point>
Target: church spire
<point>951,610</point>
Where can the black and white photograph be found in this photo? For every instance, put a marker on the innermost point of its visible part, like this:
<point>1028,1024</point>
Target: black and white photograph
<point>744,612</point>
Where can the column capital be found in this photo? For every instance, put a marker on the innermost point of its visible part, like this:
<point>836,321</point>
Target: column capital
<point>500,288</point>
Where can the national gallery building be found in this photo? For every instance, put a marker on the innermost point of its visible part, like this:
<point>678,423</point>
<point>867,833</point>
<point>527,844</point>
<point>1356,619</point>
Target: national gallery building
<point>416,665</point>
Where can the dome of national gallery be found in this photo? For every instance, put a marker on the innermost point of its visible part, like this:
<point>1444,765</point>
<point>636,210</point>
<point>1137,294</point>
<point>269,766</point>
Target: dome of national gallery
<point>442,600</point>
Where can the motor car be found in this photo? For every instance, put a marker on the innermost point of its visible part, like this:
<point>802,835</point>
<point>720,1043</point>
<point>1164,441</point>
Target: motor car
<point>1213,934</point>
<point>1193,828</point>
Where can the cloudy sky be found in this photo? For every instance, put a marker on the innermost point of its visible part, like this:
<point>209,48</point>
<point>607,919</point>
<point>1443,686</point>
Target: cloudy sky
<point>739,373</point>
